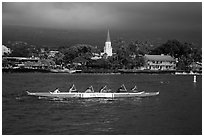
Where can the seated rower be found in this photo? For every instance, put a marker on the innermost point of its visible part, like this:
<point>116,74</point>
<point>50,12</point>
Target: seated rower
<point>122,89</point>
<point>134,89</point>
<point>89,90</point>
<point>72,89</point>
<point>105,90</point>
<point>56,90</point>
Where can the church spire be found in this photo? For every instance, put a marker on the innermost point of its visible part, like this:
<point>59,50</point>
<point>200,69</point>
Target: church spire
<point>108,37</point>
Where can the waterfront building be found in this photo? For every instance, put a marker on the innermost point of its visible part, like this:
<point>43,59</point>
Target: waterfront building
<point>23,62</point>
<point>5,50</point>
<point>19,61</point>
<point>108,48</point>
<point>52,53</point>
<point>160,62</point>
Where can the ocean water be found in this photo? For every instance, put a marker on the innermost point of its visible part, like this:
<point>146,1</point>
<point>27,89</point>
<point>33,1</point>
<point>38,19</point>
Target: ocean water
<point>177,110</point>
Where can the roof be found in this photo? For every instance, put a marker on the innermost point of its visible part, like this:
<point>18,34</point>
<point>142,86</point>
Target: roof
<point>95,58</point>
<point>159,58</point>
<point>108,37</point>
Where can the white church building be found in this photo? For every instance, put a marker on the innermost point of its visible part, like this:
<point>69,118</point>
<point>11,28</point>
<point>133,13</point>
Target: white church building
<point>108,48</point>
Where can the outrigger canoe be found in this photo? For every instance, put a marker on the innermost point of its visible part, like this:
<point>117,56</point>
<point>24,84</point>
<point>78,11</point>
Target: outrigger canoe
<point>105,92</point>
<point>92,95</point>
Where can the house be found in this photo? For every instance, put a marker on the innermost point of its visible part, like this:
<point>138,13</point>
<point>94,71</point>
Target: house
<point>5,50</point>
<point>159,62</point>
<point>23,62</point>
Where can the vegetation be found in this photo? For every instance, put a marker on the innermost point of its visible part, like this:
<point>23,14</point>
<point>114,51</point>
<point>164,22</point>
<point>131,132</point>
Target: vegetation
<point>128,55</point>
<point>186,53</point>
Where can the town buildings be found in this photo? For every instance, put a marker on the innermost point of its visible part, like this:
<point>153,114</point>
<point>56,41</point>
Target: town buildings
<point>159,62</point>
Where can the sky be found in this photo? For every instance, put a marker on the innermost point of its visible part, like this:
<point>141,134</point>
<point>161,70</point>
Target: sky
<point>163,18</point>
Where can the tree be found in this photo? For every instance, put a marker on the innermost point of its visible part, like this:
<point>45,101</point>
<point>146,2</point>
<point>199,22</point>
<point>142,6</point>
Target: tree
<point>70,54</point>
<point>58,58</point>
<point>20,51</point>
<point>78,50</point>
<point>185,52</point>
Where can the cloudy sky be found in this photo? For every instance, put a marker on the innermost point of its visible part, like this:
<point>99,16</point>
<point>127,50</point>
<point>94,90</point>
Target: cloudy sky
<point>135,17</point>
<point>100,15</point>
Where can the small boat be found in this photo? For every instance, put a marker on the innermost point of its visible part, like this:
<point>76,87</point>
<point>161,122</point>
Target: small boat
<point>105,89</point>
<point>92,95</point>
<point>104,92</point>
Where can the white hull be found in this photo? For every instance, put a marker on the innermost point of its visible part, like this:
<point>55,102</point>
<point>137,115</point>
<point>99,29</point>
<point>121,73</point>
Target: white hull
<point>93,95</point>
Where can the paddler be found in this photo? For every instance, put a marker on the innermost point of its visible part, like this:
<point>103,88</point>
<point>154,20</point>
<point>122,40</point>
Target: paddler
<point>134,89</point>
<point>122,89</point>
<point>57,90</point>
<point>89,90</point>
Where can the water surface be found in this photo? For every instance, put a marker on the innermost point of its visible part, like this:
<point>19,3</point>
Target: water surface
<point>177,110</point>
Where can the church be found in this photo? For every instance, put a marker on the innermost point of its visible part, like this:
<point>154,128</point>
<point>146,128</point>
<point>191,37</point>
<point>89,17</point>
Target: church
<point>107,47</point>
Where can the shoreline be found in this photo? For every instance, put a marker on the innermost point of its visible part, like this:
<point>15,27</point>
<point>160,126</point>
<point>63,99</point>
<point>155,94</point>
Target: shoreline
<point>105,72</point>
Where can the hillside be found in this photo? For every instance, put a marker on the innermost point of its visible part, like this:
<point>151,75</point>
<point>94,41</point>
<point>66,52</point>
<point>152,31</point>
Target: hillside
<point>66,38</point>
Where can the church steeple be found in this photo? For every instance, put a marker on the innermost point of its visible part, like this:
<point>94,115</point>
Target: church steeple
<point>107,47</point>
<point>108,37</point>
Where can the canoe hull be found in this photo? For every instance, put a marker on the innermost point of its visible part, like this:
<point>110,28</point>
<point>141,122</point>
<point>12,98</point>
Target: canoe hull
<point>93,95</point>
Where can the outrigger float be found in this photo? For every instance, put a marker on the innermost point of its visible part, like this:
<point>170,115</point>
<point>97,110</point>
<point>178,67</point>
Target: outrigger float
<point>104,92</point>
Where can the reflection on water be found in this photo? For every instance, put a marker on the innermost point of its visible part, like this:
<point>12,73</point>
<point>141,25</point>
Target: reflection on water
<point>194,84</point>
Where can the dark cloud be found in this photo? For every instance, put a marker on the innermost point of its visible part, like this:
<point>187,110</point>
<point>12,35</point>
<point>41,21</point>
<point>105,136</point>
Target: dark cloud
<point>165,18</point>
<point>63,15</point>
<point>99,15</point>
